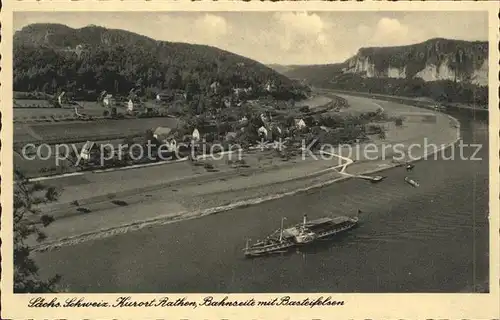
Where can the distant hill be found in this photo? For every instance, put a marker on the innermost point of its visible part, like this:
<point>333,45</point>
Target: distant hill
<point>53,57</point>
<point>281,68</point>
<point>447,70</point>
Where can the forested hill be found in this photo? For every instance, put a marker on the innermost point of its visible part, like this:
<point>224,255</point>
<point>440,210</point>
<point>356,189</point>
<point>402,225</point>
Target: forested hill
<point>443,69</point>
<point>51,57</point>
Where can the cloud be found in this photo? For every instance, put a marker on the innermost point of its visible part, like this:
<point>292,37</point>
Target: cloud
<point>211,27</point>
<point>301,23</point>
<point>390,32</point>
<point>364,31</point>
<point>282,37</point>
<point>300,31</point>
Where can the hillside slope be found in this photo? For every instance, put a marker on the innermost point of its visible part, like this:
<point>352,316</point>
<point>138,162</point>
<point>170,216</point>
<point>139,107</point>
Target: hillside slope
<point>48,57</point>
<point>447,70</point>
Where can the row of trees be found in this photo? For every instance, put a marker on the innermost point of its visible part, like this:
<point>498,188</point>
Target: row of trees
<point>444,91</point>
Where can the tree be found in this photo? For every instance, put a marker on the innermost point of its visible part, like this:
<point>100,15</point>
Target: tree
<point>151,139</point>
<point>304,109</point>
<point>398,121</point>
<point>173,79</point>
<point>27,219</point>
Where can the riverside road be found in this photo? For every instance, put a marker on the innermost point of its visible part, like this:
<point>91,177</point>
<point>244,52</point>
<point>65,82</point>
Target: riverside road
<point>428,239</point>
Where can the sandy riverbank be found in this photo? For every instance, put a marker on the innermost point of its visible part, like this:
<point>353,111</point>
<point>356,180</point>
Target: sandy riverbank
<point>164,205</point>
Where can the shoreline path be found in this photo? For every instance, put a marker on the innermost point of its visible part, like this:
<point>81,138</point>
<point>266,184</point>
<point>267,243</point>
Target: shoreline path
<point>161,194</point>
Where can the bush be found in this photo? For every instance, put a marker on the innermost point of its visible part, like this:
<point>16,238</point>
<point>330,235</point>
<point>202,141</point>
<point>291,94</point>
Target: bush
<point>375,129</point>
<point>304,109</point>
<point>208,166</point>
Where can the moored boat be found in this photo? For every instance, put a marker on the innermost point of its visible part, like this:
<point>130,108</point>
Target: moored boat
<point>412,182</point>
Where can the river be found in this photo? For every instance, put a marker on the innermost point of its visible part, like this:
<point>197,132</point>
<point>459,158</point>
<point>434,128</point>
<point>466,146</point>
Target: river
<point>428,239</point>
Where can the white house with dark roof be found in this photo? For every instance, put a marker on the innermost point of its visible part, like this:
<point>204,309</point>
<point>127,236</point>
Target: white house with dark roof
<point>214,86</point>
<point>262,131</point>
<point>130,105</point>
<point>196,135</point>
<point>108,100</point>
<point>300,123</point>
<point>231,136</point>
<point>87,147</point>
<point>162,133</point>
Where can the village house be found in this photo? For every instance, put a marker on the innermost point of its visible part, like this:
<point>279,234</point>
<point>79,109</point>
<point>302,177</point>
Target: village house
<point>89,151</point>
<point>271,131</point>
<point>108,100</point>
<point>238,91</point>
<point>170,95</point>
<point>262,132</point>
<point>214,87</point>
<point>134,105</point>
<point>195,135</point>
<point>300,123</point>
<point>231,136</point>
<point>244,119</point>
<point>130,106</point>
<point>263,117</point>
<point>269,86</point>
<point>164,97</point>
<point>162,133</point>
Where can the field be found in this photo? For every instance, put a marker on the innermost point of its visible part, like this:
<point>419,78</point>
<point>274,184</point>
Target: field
<point>31,103</point>
<point>25,110</point>
<point>81,131</point>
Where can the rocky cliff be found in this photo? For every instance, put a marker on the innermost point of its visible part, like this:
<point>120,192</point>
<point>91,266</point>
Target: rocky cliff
<point>441,69</point>
<point>432,60</point>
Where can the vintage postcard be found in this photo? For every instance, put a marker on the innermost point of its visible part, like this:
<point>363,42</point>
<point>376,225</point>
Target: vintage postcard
<point>249,160</point>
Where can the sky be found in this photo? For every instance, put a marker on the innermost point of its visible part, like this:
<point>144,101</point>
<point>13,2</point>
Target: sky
<point>281,37</point>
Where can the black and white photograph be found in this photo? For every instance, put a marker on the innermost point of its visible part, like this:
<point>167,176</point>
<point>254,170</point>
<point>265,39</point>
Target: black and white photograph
<point>251,152</point>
